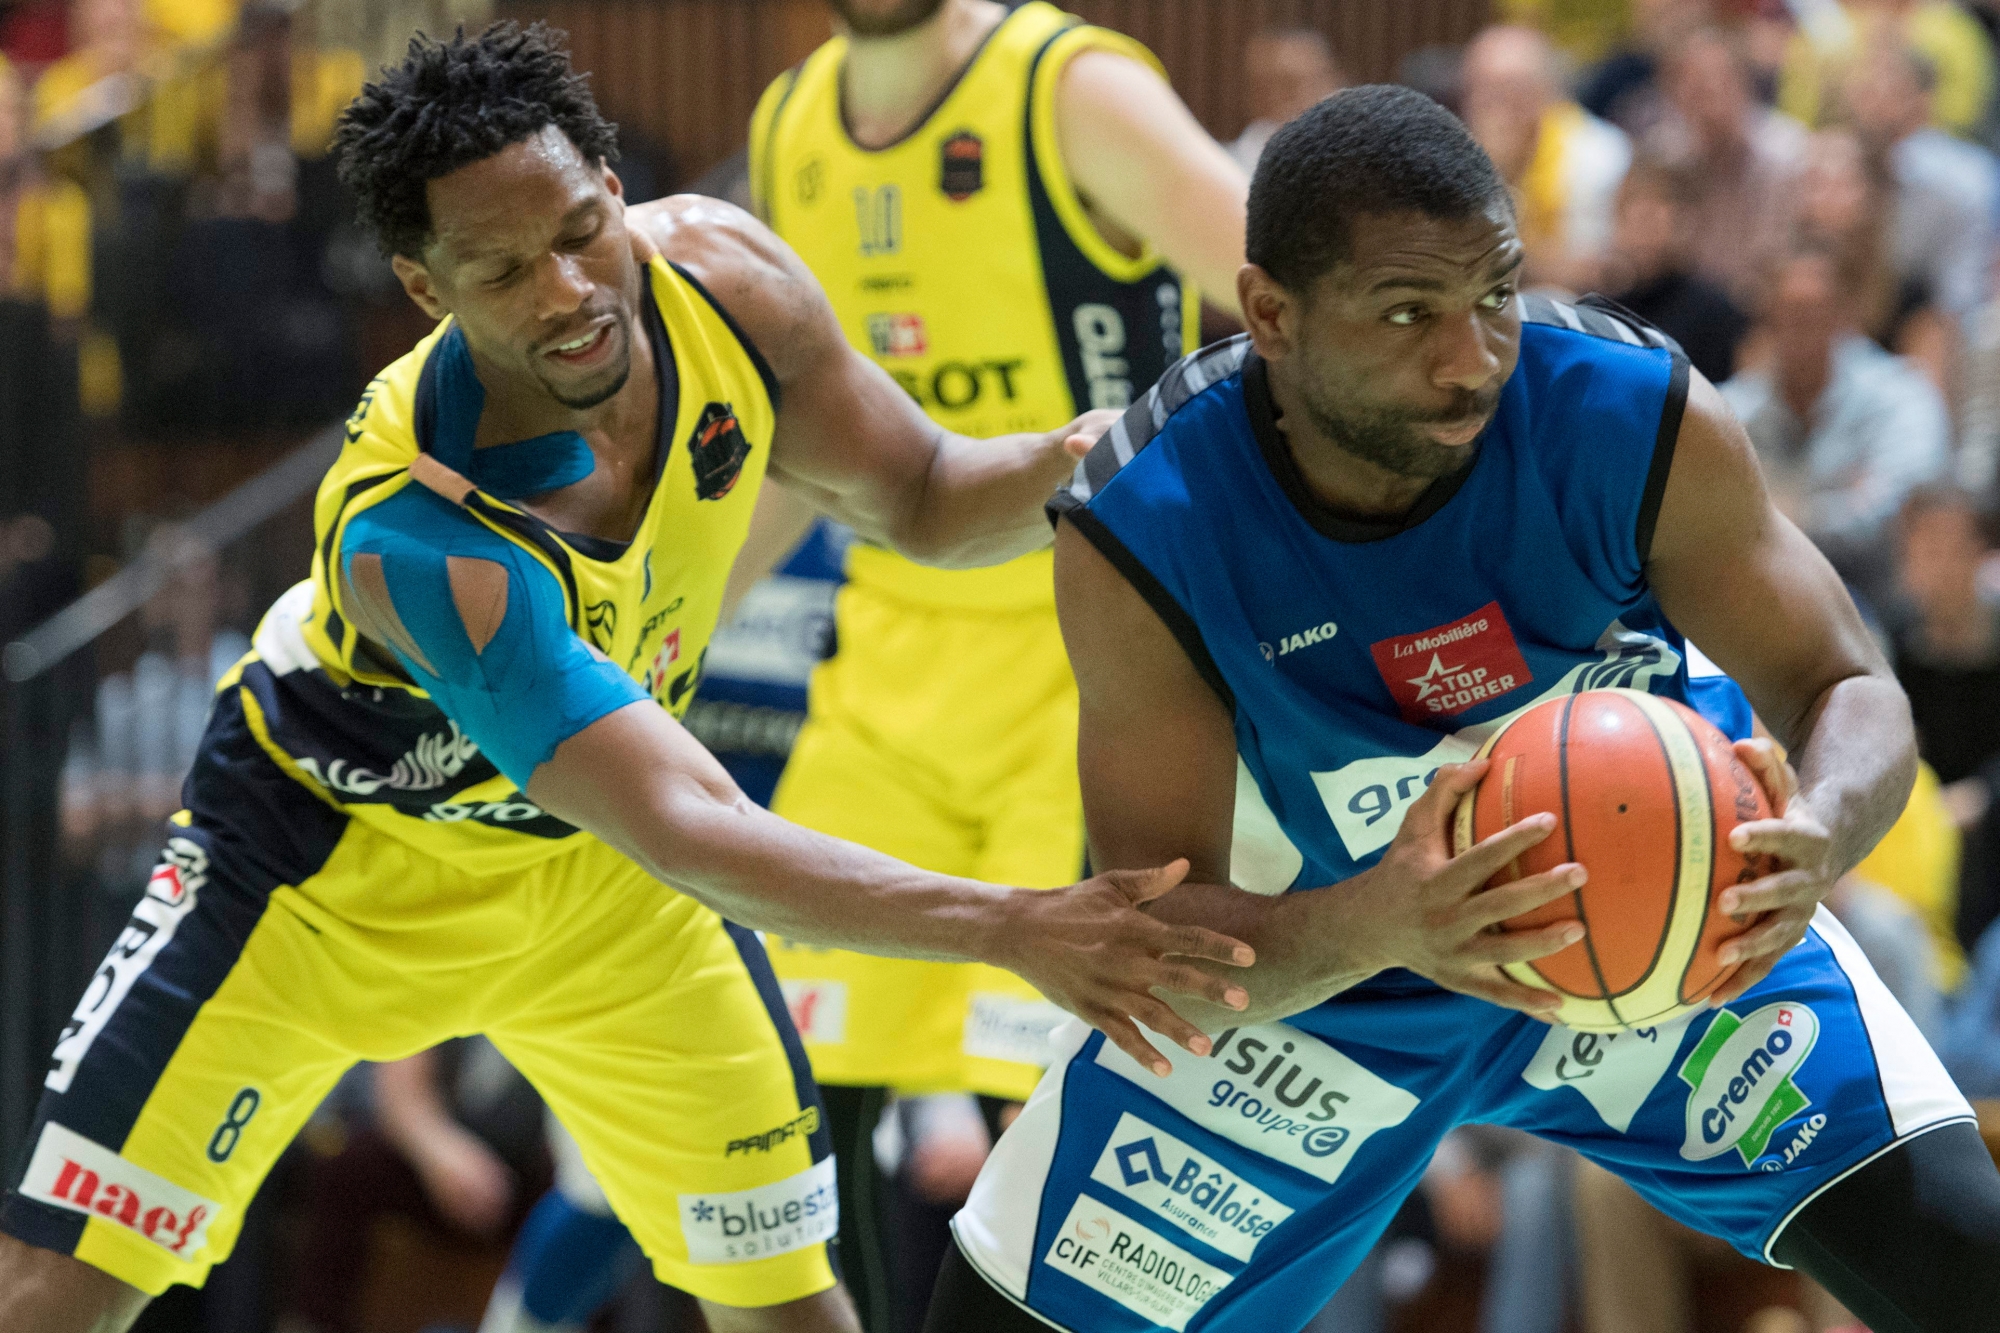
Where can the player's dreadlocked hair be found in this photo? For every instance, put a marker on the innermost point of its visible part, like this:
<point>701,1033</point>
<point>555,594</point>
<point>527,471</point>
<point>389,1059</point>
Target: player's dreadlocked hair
<point>453,103</point>
<point>1373,149</point>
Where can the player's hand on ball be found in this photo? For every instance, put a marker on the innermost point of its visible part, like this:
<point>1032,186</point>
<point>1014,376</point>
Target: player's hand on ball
<point>1802,848</point>
<point>1091,950</point>
<point>1432,913</point>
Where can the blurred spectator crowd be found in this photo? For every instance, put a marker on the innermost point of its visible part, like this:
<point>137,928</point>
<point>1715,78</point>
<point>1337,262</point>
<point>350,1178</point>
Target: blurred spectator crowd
<point>1804,193</point>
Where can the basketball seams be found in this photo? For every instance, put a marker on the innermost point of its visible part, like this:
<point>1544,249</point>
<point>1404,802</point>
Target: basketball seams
<point>1604,994</point>
<point>1694,818</point>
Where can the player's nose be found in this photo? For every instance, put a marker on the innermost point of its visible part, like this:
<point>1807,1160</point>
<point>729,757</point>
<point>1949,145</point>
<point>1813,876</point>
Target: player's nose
<point>562,286</point>
<point>1465,353</point>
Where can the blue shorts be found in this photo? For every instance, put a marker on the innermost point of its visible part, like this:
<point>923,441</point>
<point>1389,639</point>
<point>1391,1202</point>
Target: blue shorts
<point>1238,1193</point>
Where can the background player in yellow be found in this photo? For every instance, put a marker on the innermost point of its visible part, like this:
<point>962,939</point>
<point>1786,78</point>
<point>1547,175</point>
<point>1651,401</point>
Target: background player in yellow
<point>448,791</point>
<point>1011,212</point>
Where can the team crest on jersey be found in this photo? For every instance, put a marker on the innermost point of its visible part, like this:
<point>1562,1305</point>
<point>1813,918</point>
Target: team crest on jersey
<point>962,166</point>
<point>1444,670</point>
<point>717,449</point>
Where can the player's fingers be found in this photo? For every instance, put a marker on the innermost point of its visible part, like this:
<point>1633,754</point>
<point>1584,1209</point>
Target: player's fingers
<point>1084,432</point>
<point>1200,942</point>
<point>1796,842</point>
<point>1743,979</point>
<point>1160,1017</point>
<point>1431,812</point>
<point>1142,886</point>
<point>1770,937</point>
<point>1773,893</point>
<point>1496,987</point>
<point>1520,946</point>
<point>1481,860</point>
<point>1765,759</point>
<point>1523,895</point>
<point>1123,1033</point>
<point>1181,980</point>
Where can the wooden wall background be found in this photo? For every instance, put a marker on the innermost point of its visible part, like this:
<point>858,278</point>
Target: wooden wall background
<point>688,72</point>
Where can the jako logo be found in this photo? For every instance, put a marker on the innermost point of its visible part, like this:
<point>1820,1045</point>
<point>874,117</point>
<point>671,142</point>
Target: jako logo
<point>1291,643</point>
<point>785,1215</point>
<point>1184,1186</point>
<point>1740,1078</point>
<point>72,1172</point>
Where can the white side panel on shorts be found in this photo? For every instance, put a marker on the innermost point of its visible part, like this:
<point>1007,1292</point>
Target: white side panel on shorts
<point>1919,1092</point>
<point>996,1228</point>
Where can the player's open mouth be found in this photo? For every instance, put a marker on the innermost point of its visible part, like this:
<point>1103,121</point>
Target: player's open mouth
<point>1462,431</point>
<point>584,350</point>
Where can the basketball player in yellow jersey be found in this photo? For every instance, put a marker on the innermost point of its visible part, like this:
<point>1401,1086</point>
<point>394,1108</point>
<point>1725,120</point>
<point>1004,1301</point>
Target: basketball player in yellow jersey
<point>1010,212</point>
<point>447,792</point>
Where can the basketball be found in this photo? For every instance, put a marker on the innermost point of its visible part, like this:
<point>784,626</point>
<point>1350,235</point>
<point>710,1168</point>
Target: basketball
<point>1645,792</point>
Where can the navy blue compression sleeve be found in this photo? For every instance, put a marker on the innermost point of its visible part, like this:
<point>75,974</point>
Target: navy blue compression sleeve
<point>533,684</point>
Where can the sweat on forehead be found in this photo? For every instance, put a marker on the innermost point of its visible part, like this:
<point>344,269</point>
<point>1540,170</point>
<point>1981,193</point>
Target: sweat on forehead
<point>1378,149</point>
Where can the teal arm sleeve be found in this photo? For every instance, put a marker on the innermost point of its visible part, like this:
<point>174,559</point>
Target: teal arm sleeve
<point>535,683</point>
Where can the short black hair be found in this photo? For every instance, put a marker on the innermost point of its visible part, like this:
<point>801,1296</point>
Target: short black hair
<point>1378,148</point>
<point>450,104</point>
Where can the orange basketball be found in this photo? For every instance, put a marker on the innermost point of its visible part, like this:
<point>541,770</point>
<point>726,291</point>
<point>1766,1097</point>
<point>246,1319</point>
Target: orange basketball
<point>1645,792</point>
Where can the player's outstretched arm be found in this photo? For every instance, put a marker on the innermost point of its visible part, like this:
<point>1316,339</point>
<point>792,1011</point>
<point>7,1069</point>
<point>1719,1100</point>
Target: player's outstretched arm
<point>482,626</point>
<point>1141,160</point>
<point>848,438</point>
<point>1740,580</point>
<point>1156,750</point>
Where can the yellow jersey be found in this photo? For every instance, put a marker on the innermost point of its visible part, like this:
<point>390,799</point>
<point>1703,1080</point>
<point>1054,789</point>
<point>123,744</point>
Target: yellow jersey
<point>962,259</point>
<point>345,719</point>
<point>943,731</point>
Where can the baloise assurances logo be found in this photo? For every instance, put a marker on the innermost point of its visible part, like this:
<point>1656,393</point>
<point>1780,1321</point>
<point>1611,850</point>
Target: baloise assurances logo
<point>1740,1080</point>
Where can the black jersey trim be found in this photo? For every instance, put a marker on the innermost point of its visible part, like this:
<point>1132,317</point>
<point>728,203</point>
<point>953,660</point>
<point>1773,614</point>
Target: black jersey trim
<point>1262,409</point>
<point>1664,443</point>
<point>764,371</point>
<point>1071,280</point>
<point>1171,613</point>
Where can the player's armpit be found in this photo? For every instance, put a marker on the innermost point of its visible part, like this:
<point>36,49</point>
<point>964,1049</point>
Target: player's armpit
<point>1138,156</point>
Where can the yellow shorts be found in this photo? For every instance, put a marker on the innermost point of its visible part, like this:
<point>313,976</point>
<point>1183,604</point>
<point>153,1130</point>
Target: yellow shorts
<point>280,942</point>
<point>946,738</point>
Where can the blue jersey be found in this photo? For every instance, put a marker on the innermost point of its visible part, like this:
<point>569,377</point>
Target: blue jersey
<point>1357,657</point>
<point>1235,1194</point>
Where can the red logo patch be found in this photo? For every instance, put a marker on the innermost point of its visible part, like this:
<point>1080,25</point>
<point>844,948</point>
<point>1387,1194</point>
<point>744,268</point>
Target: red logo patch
<point>1452,667</point>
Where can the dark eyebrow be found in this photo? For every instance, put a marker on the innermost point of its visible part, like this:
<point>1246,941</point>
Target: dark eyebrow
<point>482,254</point>
<point>1420,284</point>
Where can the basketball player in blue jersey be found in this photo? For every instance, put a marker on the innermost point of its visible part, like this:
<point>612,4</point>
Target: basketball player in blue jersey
<point>448,791</point>
<point>1300,581</point>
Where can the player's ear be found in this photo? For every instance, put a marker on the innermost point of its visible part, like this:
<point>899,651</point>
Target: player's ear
<point>417,282</point>
<point>612,183</point>
<point>1263,302</point>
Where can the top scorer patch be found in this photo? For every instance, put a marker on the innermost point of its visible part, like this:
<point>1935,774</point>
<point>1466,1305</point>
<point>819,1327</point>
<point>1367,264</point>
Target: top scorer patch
<point>962,171</point>
<point>717,449</point>
<point>1449,668</point>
